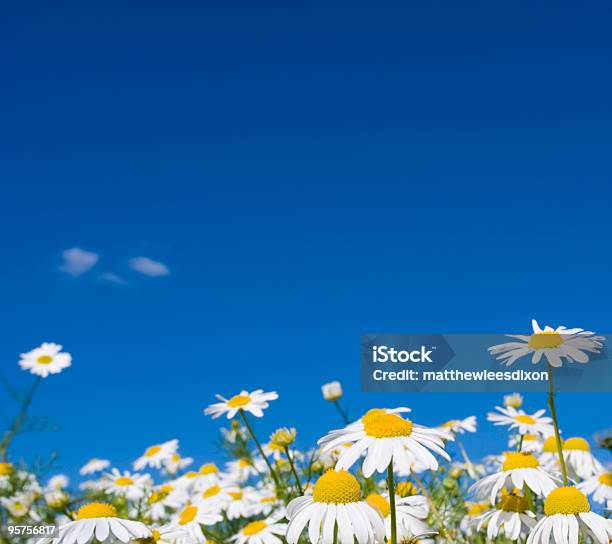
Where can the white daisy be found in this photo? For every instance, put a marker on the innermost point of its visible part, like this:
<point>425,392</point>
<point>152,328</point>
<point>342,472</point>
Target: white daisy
<point>255,403</point>
<point>130,486</point>
<point>266,531</point>
<point>46,359</point>
<point>57,482</point>
<point>460,426</point>
<point>579,459</point>
<point>99,521</point>
<point>176,463</point>
<point>331,391</point>
<point>169,534</point>
<point>515,400</point>
<point>242,469</point>
<point>599,486</point>
<point>569,519</point>
<point>512,516</point>
<point>384,436</point>
<point>530,443</point>
<point>157,455</point>
<point>94,465</point>
<point>216,497</point>
<point>191,519</point>
<point>242,504</point>
<point>411,513</point>
<point>524,423</point>
<point>336,501</point>
<point>555,344</point>
<point>518,469</point>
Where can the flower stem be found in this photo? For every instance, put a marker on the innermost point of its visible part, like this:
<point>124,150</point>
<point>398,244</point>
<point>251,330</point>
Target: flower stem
<point>19,420</point>
<point>553,413</point>
<point>432,504</point>
<point>391,486</point>
<point>519,446</point>
<point>342,412</point>
<point>259,448</point>
<point>295,474</point>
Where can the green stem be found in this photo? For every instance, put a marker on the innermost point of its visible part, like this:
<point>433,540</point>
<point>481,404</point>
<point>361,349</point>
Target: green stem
<point>295,474</point>
<point>391,486</point>
<point>342,412</point>
<point>19,420</point>
<point>432,504</point>
<point>519,446</point>
<point>259,448</point>
<point>553,413</point>
<point>467,460</point>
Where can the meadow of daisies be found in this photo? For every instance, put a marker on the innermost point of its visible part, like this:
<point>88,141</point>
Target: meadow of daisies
<point>379,478</point>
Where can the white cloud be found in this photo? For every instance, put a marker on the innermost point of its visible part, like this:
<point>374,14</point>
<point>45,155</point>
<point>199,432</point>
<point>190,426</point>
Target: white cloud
<point>113,278</point>
<point>149,267</point>
<point>77,261</point>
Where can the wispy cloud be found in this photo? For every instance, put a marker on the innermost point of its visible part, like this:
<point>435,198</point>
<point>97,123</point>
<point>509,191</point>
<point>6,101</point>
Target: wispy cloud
<point>148,267</point>
<point>112,278</point>
<point>77,261</point>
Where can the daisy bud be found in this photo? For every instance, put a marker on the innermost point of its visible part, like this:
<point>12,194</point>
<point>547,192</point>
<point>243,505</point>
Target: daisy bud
<point>283,437</point>
<point>406,489</point>
<point>513,401</point>
<point>332,391</point>
<point>6,469</point>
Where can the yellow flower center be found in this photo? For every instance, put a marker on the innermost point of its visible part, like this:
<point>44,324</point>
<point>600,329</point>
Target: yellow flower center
<point>267,499</point>
<point>209,468</point>
<point>529,437</point>
<point>605,478</point>
<point>576,443</point>
<point>519,460</point>
<point>175,457</point>
<point>236,495</point>
<point>124,481</point>
<point>44,360</point>
<point>372,414</point>
<point>545,340</point>
<point>188,514</point>
<point>152,451</point>
<point>525,419</point>
<point>96,510</point>
<point>405,489</point>
<point>211,491</point>
<point>155,535</point>
<point>254,527</point>
<point>388,426</point>
<point>243,463</point>
<point>166,488</point>
<point>513,503</point>
<point>6,469</point>
<point>337,487</point>
<point>450,423</point>
<point>478,508</point>
<point>566,500</point>
<point>379,503</point>
<point>238,400</point>
<point>550,445</point>
<point>191,474</point>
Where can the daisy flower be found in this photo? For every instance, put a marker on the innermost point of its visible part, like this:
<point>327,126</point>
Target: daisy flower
<point>579,459</point>
<point>217,497</point>
<point>518,469</point>
<point>568,519</point>
<point>530,443</point>
<point>46,359</point>
<point>130,486</point>
<point>94,465</point>
<point>554,344</point>
<point>460,426</point>
<point>242,469</point>
<point>242,504</point>
<point>336,502</point>
<point>512,516</point>
<point>176,463</point>
<point>331,391</point>
<point>255,403</point>
<point>57,482</point>
<point>265,531</point>
<point>410,515</point>
<point>169,534</point>
<point>599,486</point>
<point>524,423</point>
<point>190,520</point>
<point>515,400</point>
<point>383,436</point>
<point>157,455</point>
<point>99,521</point>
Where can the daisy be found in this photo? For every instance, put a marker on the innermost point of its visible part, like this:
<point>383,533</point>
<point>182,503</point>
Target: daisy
<point>169,534</point>
<point>512,516</point>
<point>176,463</point>
<point>130,486</point>
<point>530,443</point>
<point>242,469</point>
<point>162,497</point>
<point>579,459</point>
<point>46,359</point>
<point>335,502</point>
<point>568,518</point>
<point>524,423</point>
<point>190,520</point>
<point>94,465</point>
<point>600,486</point>
<point>460,426</point>
<point>518,469</point>
<point>254,402</point>
<point>99,521</point>
<point>242,504</point>
<point>157,455</point>
<point>410,515</point>
<point>386,436</point>
<point>515,400</point>
<point>57,482</point>
<point>554,344</point>
<point>331,391</point>
<point>265,531</point>
<point>217,497</point>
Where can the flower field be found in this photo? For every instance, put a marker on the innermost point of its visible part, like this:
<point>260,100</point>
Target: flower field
<point>380,478</point>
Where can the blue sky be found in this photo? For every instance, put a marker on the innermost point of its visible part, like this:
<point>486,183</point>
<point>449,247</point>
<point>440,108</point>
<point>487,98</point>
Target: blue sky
<point>307,174</point>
